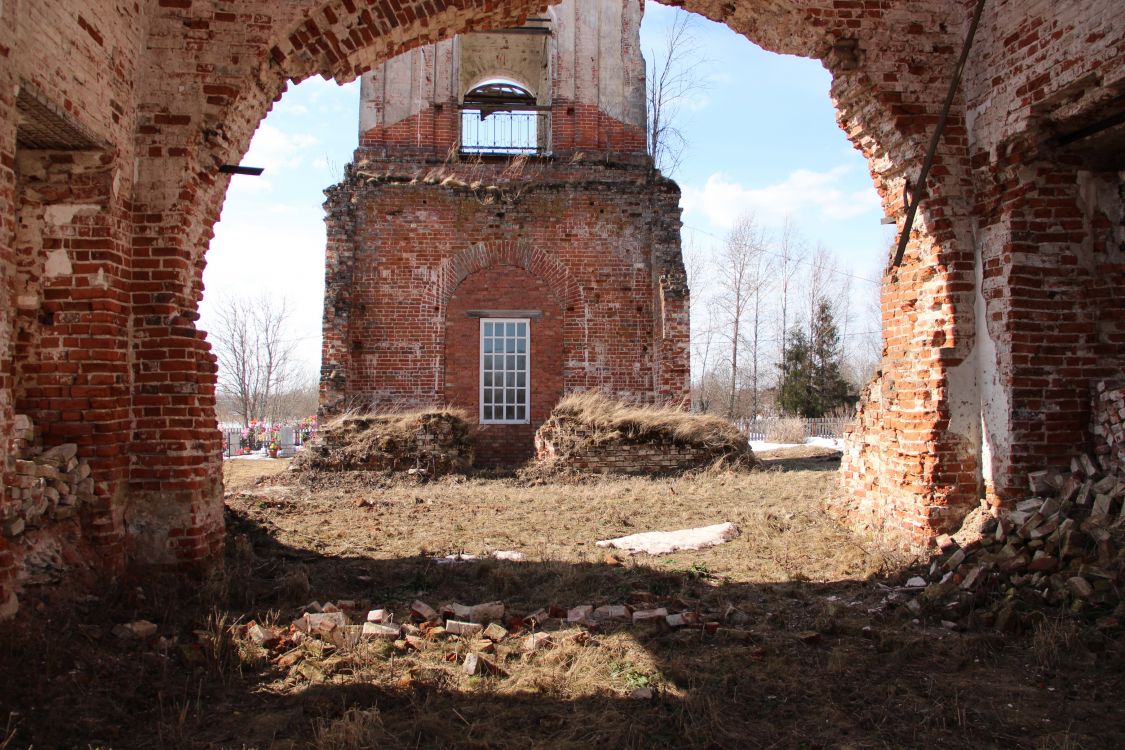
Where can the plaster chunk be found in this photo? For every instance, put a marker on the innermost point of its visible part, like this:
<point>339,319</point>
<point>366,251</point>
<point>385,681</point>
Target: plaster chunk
<point>57,264</point>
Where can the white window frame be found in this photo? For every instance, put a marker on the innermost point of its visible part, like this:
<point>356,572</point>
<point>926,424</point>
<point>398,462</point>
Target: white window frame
<point>480,373</point>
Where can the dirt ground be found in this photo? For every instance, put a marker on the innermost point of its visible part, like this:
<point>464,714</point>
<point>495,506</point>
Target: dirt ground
<point>812,648</point>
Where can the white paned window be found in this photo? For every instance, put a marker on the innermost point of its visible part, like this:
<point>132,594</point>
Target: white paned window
<point>505,370</point>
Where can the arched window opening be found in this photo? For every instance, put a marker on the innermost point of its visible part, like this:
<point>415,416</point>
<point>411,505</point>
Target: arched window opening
<point>502,117</point>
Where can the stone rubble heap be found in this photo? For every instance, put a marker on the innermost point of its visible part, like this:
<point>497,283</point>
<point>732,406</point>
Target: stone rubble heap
<point>48,485</point>
<point>1061,548</point>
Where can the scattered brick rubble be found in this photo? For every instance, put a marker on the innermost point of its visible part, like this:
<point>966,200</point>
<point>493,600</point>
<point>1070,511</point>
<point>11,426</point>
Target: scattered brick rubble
<point>489,630</point>
<point>1061,548</point>
<point>49,484</point>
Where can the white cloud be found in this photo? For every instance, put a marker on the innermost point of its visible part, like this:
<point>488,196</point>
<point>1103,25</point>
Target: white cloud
<point>695,101</point>
<point>722,200</point>
<point>276,150</point>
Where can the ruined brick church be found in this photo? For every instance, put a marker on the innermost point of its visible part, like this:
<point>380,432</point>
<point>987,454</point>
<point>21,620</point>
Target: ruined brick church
<point>502,236</point>
<point>120,121</point>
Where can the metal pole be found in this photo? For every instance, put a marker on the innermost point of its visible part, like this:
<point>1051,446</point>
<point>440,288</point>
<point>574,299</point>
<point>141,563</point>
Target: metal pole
<point>920,188</point>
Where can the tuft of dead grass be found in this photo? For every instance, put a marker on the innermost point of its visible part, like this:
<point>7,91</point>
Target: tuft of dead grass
<point>356,729</point>
<point>1054,639</point>
<point>609,419</point>
<point>790,430</point>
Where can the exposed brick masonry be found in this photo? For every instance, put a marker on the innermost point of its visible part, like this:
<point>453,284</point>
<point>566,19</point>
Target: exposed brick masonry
<point>586,245</point>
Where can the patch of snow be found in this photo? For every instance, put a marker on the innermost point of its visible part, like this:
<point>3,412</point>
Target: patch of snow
<point>761,445</point>
<point>664,542</point>
<point>836,444</point>
<point>464,557</point>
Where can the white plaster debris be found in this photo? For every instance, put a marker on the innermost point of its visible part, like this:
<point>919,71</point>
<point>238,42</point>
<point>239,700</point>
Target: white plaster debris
<point>457,627</point>
<point>665,542</point>
<point>465,557</point>
<point>380,630</point>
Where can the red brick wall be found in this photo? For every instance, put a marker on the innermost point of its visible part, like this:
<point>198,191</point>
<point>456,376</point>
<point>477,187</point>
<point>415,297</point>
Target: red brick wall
<point>503,288</point>
<point>599,240</point>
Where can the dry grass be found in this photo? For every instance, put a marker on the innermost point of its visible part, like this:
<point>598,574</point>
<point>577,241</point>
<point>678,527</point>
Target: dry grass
<point>241,474</point>
<point>397,422</point>
<point>784,533</point>
<point>610,419</point>
<point>790,430</point>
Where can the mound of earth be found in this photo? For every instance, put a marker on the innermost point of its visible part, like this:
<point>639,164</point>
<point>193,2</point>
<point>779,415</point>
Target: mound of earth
<point>591,432</point>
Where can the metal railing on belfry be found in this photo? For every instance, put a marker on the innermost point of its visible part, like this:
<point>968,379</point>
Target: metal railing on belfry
<point>507,132</point>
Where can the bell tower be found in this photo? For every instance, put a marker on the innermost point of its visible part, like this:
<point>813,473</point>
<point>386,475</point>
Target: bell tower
<point>502,237</point>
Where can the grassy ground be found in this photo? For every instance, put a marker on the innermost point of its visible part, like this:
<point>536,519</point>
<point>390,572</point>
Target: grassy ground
<point>810,651</point>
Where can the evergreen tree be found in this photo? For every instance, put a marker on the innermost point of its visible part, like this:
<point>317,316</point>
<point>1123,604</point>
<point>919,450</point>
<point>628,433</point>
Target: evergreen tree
<point>811,383</point>
<point>829,389</point>
<point>796,381</point>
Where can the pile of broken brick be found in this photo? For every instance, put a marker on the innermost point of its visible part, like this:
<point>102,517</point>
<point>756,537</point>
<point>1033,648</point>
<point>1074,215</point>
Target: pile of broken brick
<point>483,627</point>
<point>1061,548</point>
<point>48,484</point>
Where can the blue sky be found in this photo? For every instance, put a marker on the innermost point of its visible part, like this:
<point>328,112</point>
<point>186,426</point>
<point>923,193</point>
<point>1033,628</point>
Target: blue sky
<point>762,136</point>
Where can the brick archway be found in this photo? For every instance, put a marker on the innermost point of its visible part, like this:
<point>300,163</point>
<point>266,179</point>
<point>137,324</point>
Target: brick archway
<point>921,445</point>
<point>161,93</point>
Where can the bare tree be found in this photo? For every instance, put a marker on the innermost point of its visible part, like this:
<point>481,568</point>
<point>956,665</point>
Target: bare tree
<point>705,350</point>
<point>818,283</point>
<point>675,72</point>
<point>741,285</point>
<point>790,254</point>
<point>255,360</point>
<point>702,327</point>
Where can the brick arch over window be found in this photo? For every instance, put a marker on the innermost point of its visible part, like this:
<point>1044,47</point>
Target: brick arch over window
<point>519,253</point>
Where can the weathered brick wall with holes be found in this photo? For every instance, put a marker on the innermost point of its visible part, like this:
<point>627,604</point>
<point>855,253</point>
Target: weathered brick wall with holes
<point>1028,247</point>
<point>593,247</point>
<point>1006,308</point>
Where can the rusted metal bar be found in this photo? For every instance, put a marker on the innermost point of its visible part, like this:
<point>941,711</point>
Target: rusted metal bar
<point>931,152</point>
